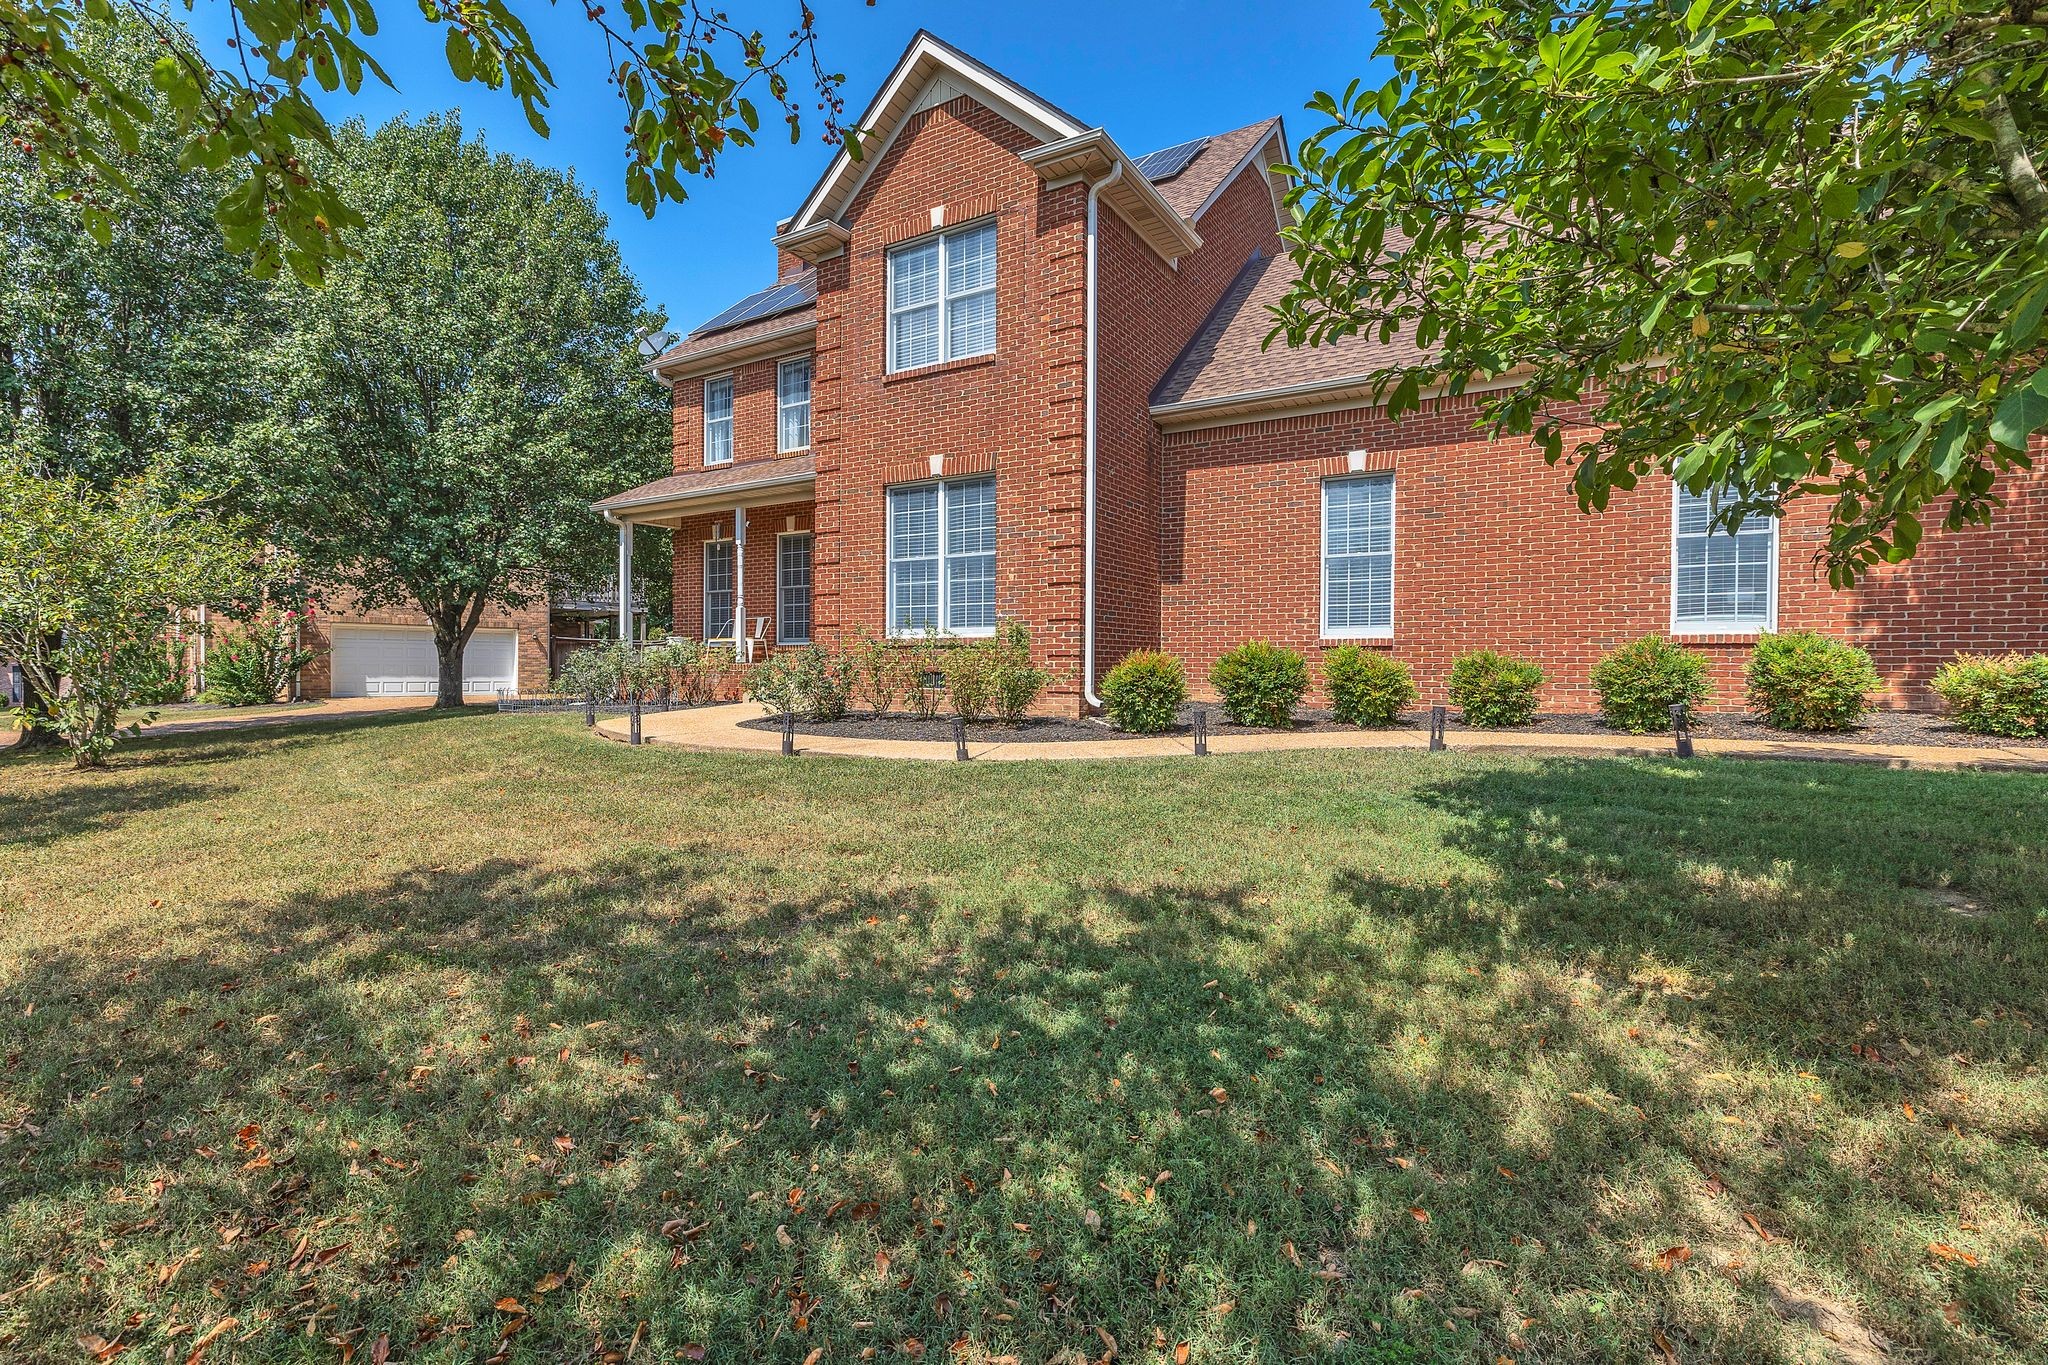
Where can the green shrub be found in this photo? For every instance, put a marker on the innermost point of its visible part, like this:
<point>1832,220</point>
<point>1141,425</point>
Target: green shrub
<point>1144,693</point>
<point>163,678</point>
<point>1366,686</point>
<point>1015,683</point>
<point>254,665</point>
<point>880,672</point>
<point>1261,684</point>
<point>924,674</point>
<point>1803,680</point>
<point>811,682</point>
<point>1640,682</point>
<point>1492,689</point>
<point>1996,694</point>
<point>970,679</point>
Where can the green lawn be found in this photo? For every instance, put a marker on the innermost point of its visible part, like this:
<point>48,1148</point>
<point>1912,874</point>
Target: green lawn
<point>509,1043</point>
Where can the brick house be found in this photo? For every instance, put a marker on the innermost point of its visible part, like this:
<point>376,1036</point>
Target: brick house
<point>1007,370</point>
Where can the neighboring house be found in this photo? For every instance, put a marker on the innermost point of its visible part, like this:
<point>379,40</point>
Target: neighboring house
<point>1008,371</point>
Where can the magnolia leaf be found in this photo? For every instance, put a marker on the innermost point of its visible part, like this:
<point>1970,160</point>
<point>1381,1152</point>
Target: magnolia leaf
<point>2022,412</point>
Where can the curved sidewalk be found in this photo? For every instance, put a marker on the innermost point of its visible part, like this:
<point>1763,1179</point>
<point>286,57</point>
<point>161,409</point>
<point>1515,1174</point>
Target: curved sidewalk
<point>718,728</point>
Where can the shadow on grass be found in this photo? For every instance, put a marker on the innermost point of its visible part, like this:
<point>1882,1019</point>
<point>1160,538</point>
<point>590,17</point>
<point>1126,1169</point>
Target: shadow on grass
<point>1417,1118</point>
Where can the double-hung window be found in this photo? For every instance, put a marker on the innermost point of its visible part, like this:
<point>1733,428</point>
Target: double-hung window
<point>793,405</point>
<point>942,558</point>
<point>793,588</point>
<point>942,297</point>
<point>1358,557</point>
<point>720,582</point>
<point>718,420</point>
<point>1721,581</point>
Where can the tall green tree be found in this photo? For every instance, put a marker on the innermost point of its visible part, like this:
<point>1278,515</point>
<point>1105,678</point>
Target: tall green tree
<point>1786,248</point>
<point>688,78</point>
<point>115,351</point>
<point>88,579</point>
<point>444,411</point>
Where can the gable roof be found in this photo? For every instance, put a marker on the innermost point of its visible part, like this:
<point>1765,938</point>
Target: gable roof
<point>1227,365</point>
<point>928,59</point>
<point>1190,183</point>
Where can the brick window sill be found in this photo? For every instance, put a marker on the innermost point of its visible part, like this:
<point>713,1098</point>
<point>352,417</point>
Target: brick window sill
<point>1716,637</point>
<point>972,362</point>
<point>1362,641</point>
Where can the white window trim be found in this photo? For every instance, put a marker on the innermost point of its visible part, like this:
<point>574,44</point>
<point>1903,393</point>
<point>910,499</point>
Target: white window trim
<point>1723,625</point>
<point>945,300</point>
<point>1385,632</point>
<point>782,638</point>
<point>704,590</point>
<point>732,413</point>
<point>945,588</point>
<point>781,407</point>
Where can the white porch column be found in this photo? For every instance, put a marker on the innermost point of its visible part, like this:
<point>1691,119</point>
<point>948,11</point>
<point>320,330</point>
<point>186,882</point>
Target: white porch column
<point>626,581</point>
<point>742,647</point>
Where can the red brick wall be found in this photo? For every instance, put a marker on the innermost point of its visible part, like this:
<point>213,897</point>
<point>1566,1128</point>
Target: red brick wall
<point>1490,550</point>
<point>763,525</point>
<point>753,412</point>
<point>1017,412</point>
<point>339,607</point>
<point>1148,311</point>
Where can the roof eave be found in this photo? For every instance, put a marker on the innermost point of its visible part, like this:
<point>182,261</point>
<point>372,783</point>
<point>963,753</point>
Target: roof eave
<point>1203,411</point>
<point>671,368</point>
<point>726,495</point>
<point>1091,156</point>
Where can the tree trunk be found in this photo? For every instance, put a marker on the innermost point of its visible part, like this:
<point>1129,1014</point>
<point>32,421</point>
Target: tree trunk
<point>34,734</point>
<point>453,625</point>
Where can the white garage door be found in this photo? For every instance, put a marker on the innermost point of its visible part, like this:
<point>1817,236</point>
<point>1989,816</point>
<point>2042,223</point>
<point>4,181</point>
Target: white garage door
<point>398,661</point>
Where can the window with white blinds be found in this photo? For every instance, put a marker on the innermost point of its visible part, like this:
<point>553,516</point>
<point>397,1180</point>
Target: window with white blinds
<point>942,297</point>
<point>942,558</point>
<point>793,405</point>
<point>1358,557</point>
<point>793,588</point>
<point>719,586</point>
<point>718,420</point>
<point>1721,580</point>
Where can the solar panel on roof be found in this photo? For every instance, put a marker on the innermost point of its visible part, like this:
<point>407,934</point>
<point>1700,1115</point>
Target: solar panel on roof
<point>765,303</point>
<point>1168,162</point>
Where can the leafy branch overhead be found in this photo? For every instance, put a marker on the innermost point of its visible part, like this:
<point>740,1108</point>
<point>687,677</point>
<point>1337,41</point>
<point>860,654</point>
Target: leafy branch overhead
<point>1786,249</point>
<point>691,80</point>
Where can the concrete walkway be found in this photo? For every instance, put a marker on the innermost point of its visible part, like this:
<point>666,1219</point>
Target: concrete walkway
<point>715,728</point>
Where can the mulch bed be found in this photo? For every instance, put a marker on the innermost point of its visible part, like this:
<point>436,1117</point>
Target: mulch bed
<point>1879,728</point>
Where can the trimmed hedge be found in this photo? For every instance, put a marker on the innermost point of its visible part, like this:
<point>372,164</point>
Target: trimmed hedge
<point>1803,680</point>
<point>1492,689</point>
<point>1996,694</point>
<point>1367,687</point>
<point>1261,684</point>
<point>1640,682</point>
<point>1143,694</point>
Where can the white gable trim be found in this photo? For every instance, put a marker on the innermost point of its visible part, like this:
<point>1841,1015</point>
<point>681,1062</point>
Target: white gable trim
<point>929,74</point>
<point>1256,155</point>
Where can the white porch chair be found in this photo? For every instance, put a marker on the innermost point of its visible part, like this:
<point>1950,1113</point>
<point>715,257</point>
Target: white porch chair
<point>757,639</point>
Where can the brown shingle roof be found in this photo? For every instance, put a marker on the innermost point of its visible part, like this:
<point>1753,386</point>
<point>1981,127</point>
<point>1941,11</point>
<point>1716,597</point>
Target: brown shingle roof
<point>1192,185</point>
<point>1226,357</point>
<point>708,337</point>
<point>746,473</point>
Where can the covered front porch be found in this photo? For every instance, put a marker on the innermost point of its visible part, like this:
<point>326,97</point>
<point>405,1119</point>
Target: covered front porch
<point>742,535</point>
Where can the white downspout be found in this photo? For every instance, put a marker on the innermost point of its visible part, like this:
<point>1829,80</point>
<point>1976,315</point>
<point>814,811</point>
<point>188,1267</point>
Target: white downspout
<point>742,647</point>
<point>625,577</point>
<point>1088,496</point>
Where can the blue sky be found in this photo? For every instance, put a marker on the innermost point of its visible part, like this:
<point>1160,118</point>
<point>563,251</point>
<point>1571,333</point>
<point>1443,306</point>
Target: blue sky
<point>1152,74</point>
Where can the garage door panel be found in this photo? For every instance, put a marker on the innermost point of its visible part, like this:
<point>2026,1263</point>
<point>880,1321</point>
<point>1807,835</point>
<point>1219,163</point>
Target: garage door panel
<point>399,661</point>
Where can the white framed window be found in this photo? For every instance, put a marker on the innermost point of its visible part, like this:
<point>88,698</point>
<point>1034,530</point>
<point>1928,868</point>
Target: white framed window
<point>793,404</point>
<point>1358,557</point>
<point>942,297</point>
<point>720,581</point>
<point>718,420</point>
<point>1721,582</point>
<point>793,588</point>
<point>942,558</point>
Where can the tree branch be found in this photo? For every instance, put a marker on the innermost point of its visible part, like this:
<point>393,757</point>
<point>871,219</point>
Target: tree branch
<point>2022,180</point>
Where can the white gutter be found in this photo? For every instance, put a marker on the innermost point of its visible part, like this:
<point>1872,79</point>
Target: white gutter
<point>713,495</point>
<point>1088,507</point>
